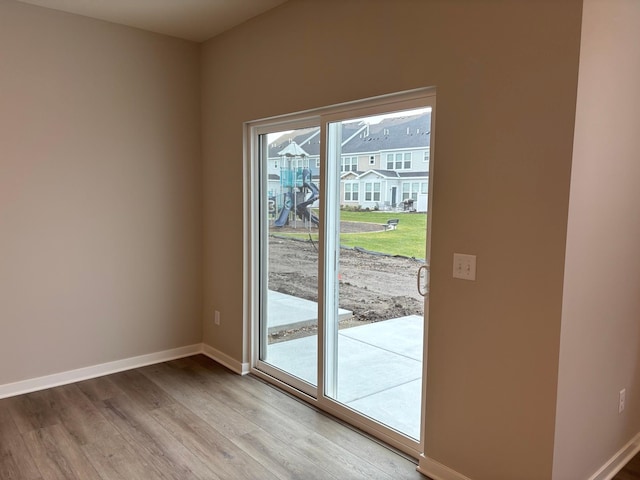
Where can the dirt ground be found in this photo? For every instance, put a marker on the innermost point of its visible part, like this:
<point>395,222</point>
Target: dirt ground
<point>373,287</point>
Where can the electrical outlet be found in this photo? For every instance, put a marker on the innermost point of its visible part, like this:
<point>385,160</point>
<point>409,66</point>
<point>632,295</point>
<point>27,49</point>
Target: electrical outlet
<point>216,317</point>
<point>622,399</point>
<point>464,266</point>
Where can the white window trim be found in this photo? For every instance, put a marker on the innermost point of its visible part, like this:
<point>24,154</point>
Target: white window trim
<point>349,163</point>
<point>411,188</point>
<point>376,191</point>
<point>354,188</point>
<point>399,158</point>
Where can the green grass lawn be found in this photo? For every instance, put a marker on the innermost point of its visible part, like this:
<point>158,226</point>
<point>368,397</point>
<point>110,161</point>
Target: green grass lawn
<point>409,239</point>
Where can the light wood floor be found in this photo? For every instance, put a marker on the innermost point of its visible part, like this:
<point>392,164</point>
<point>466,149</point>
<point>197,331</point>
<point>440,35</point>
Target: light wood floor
<point>186,419</point>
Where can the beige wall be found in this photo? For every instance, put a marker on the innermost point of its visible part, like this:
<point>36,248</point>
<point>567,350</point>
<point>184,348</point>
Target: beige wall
<point>506,74</point>
<point>100,192</point>
<point>600,340</point>
<point>101,201</point>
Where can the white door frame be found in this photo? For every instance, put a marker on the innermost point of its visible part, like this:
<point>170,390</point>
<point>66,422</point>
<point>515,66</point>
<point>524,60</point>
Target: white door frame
<point>255,301</point>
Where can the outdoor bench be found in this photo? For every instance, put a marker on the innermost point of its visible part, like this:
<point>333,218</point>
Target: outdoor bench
<point>391,224</point>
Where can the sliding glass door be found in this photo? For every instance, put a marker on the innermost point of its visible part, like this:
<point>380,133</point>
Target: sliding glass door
<point>377,245</point>
<point>338,230</point>
<point>288,192</point>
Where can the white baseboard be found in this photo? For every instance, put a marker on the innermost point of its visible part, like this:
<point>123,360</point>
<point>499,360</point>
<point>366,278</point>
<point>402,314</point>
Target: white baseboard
<point>77,375</point>
<point>437,471</point>
<point>619,460</point>
<point>224,359</point>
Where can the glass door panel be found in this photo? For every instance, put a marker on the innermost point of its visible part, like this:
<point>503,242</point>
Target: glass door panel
<point>377,233</point>
<point>289,221</point>
<point>339,260</point>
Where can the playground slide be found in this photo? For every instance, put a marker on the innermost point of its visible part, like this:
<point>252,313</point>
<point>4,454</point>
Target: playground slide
<point>283,218</point>
<point>305,214</point>
<point>302,209</point>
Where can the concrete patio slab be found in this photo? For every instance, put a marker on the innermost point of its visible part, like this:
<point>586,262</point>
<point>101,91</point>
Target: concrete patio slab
<point>403,336</point>
<point>286,312</point>
<point>398,407</point>
<point>297,357</point>
<point>379,369</point>
<point>364,369</point>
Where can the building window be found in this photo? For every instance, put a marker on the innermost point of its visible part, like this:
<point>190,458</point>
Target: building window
<point>425,158</point>
<point>423,187</point>
<point>372,160</point>
<point>317,163</point>
<point>350,192</point>
<point>349,164</point>
<point>399,161</point>
<point>407,161</point>
<point>275,164</point>
<point>410,191</point>
<point>372,192</point>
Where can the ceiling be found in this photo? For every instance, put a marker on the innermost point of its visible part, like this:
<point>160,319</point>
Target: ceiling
<point>196,20</point>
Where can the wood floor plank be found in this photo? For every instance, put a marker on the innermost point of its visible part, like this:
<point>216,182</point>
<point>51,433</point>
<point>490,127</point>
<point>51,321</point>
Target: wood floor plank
<point>106,465</point>
<point>16,462</point>
<point>193,394</point>
<point>382,457</point>
<point>631,471</point>
<point>10,470</point>
<point>279,458</point>
<point>80,416</point>
<point>190,418</point>
<point>33,411</point>
<point>97,389</point>
<point>116,459</point>
<point>625,475</point>
<point>210,445</point>
<point>289,429</point>
<point>634,466</point>
<point>58,456</point>
<point>141,389</point>
<point>157,445</point>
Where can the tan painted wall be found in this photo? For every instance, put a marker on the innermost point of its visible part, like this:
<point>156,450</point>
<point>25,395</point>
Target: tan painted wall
<point>100,192</point>
<point>506,74</point>
<point>600,340</point>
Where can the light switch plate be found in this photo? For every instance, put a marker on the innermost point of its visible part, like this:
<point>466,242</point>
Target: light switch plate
<point>464,266</point>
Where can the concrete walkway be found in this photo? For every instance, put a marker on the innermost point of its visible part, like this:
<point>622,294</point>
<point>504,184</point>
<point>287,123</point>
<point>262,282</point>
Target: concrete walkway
<point>379,371</point>
<point>286,312</point>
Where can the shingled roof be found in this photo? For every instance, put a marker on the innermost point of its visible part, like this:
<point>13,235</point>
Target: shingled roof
<point>385,173</point>
<point>413,174</point>
<point>393,134</point>
<point>309,139</point>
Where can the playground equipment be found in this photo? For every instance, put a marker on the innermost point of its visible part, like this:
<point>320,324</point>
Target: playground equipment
<point>299,190</point>
<point>303,209</point>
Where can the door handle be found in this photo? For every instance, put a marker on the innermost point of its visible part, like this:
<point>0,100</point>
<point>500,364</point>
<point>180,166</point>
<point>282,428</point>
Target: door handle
<point>424,292</point>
